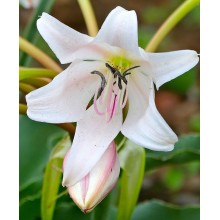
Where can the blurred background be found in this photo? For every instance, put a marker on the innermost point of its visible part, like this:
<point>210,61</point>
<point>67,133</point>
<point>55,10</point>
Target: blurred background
<point>177,100</point>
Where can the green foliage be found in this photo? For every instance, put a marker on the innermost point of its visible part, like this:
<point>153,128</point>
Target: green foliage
<point>144,36</point>
<point>187,149</point>
<point>174,179</point>
<point>36,141</point>
<point>182,83</point>
<point>52,178</point>
<point>132,160</point>
<point>194,123</point>
<point>157,210</point>
<point>31,33</point>
<point>30,210</point>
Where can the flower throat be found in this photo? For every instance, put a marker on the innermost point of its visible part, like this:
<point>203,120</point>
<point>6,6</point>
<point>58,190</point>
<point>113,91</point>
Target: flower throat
<point>113,89</point>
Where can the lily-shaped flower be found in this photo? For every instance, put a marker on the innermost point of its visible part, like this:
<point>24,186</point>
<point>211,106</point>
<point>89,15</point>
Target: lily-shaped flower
<point>114,71</point>
<point>93,188</point>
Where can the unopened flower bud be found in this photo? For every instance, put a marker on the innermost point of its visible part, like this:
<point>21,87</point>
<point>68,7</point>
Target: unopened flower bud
<point>93,188</point>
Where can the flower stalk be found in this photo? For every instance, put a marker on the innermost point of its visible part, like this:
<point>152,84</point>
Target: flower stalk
<point>38,55</point>
<point>37,82</point>
<point>25,73</point>
<point>89,16</point>
<point>170,23</point>
<point>26,88</point>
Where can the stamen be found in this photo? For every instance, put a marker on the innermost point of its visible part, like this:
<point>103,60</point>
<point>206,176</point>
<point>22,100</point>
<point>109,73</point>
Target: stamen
<point>126,71</point>
<point>95,103</point>
<point>125,96</point>
<point>105,93</point>
<point>110,92</point>
<point>103,82</point>
<point>113,108</point>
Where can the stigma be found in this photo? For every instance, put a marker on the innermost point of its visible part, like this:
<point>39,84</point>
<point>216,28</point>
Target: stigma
<point>112,93</point>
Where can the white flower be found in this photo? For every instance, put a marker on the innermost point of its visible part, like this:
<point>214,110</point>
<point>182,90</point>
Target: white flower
<point>112,68</point>
<point>93,188</point>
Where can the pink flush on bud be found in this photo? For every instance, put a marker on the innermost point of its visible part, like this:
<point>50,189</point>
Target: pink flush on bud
<point>93,188</point>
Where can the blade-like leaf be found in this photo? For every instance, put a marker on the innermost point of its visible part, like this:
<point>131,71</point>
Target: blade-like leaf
<point>187,149</point>
<point>52,178</point>
<point>132,160</point>
<point>157,210</point>
<point>182,83</point>
<point>35,144</point>
<point>36,141</point>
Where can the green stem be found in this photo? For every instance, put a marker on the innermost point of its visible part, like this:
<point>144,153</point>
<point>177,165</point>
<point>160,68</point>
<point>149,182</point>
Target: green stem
<point>66,126</point>
<point>26,88</point>
<point>25,73</point>
<point>22,108</point>
<point>37,82</point>
<point>38,55</point>
<point>89,16</point>
<point>170,23</point>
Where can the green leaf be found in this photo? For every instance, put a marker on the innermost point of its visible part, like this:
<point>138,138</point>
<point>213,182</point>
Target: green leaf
<point>157,210</point>
<point>174,178</point>
<point>36,142</point>
<point>102,210</point>
<point>194,123</point>
<point>187,149</point>
<point>52,178</point>
<point>132,160</point>
<point>182,83</point>
<point>31,33</point>
<point>69,211</point>
<point>30,210</point>
<point>29,191</point>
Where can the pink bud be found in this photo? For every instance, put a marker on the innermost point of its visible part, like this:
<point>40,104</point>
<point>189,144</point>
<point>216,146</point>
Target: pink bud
<point>93,188</point>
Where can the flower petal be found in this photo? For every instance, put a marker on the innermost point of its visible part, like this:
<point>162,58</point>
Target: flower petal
<point>138,96</point>
<point>65,99</point>
<point>62,39</point>
<point>93,136</point>
<point>120,30</point>
<point>144,124</point>
<point>169,65</point>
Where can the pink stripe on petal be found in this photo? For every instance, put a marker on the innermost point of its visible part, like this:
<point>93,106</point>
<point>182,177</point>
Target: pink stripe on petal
<point>84,186</point>
<point>113,108</point>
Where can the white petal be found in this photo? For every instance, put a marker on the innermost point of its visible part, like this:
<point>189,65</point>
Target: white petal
<point>120,30</point>
<point>144,124</point>
<point>65,99</point>
<point>94,51</point>
<point>62,39</point>
<point>93,136</point>
<point>139,87</point>
<point>169,65</point>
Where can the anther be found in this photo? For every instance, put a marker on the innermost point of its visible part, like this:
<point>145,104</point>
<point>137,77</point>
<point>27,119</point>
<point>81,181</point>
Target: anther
<point>121,77</point>
<point>125,73</point>
<point>103,82</point>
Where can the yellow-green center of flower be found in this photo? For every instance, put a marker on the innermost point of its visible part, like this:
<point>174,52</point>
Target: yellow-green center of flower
<point>120,63</point>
